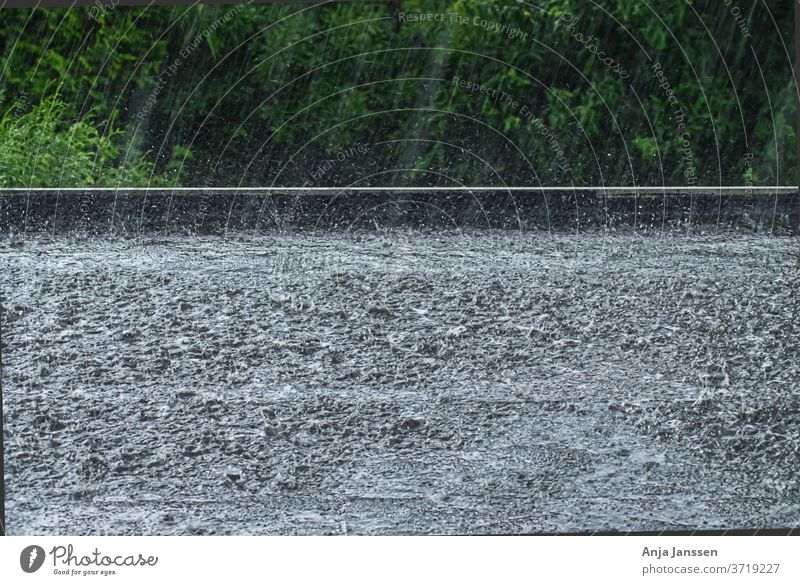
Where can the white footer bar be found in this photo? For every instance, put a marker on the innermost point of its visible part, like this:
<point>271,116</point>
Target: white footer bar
<point>407,560</point>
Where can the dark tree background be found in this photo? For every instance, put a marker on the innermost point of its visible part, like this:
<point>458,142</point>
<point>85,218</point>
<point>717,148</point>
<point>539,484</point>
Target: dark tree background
<point>574,92</point>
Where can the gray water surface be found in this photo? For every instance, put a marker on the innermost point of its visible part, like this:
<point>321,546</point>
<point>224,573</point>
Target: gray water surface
<point>400,383</point>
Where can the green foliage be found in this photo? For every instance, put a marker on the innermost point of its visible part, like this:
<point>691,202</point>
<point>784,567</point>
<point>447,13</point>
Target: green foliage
<point>42,147</point>
<point>647,145</point>
<point>283,86</point>
<point>749,176</point>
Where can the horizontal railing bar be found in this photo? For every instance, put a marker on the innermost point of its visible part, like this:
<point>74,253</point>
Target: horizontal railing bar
<point>738,189</point>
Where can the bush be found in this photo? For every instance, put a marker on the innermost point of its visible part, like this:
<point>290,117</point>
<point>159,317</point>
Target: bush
<point>41,146</point>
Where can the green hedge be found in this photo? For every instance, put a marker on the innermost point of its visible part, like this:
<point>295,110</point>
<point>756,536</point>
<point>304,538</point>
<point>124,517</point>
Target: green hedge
<point>262,94</point>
